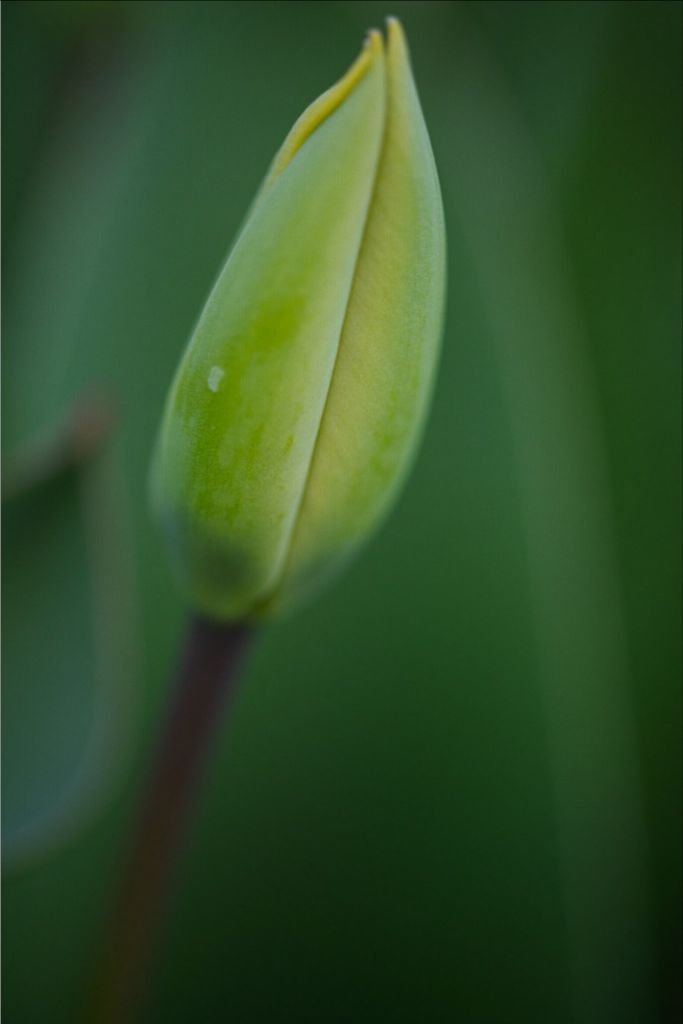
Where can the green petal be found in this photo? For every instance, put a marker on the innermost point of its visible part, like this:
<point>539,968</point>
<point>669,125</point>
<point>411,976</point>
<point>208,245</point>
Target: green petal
<point>245,408</point>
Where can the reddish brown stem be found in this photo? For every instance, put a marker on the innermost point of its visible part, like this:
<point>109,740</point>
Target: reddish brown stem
<point>206,681</point>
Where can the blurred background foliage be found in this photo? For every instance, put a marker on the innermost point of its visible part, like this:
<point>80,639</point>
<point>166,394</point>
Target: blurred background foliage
<point>451,788</point>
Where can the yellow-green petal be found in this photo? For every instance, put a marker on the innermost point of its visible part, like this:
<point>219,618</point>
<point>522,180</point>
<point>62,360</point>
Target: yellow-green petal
<point>388,349</point>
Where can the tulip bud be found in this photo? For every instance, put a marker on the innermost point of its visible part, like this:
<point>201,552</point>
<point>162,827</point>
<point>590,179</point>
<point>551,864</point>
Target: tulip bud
<point>297,406</point>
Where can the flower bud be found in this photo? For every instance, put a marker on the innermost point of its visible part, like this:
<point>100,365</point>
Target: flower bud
<point>296,409</point>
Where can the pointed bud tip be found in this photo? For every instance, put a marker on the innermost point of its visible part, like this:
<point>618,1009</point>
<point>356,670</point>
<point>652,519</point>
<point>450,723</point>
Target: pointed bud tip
<point>396,37</point>
<point>373,41</point>
<point>327,103</point>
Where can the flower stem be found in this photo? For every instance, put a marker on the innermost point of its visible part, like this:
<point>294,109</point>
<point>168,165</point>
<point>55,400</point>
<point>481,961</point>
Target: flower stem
<point>206,681</point>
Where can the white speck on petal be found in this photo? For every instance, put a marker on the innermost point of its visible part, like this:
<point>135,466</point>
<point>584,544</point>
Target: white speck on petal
<point>215,377</point>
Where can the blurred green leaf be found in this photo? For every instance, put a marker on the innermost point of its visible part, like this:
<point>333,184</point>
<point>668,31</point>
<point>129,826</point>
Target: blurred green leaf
<point>69,654</point>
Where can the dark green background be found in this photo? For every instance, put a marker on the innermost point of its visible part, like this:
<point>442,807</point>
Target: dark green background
<point>450,790</point>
